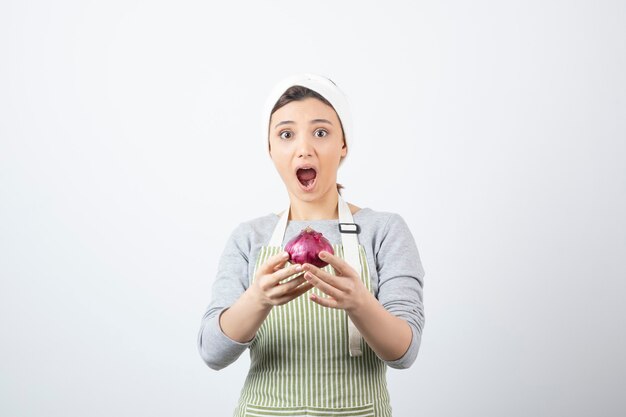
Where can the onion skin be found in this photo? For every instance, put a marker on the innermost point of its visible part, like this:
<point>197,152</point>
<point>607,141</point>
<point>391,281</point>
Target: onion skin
<point>306,246</point>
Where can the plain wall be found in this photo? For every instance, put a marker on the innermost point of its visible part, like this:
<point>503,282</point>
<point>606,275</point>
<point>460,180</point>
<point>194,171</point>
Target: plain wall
<point>130,149</point>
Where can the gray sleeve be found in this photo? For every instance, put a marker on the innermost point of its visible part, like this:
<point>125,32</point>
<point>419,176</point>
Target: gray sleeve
<point>216,348</point>
<point>401,282</point>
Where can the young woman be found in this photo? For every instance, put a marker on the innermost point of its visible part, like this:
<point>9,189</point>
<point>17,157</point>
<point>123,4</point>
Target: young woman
<point>320,339</point>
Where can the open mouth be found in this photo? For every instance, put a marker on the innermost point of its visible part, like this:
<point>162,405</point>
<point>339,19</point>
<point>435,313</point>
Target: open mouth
<point>307,177</point>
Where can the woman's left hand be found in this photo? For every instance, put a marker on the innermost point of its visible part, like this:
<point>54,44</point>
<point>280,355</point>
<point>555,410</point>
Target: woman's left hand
<point>344,290</point>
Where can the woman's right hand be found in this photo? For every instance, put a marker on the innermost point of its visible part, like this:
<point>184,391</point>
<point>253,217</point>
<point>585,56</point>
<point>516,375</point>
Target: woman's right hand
<point>267,287</point>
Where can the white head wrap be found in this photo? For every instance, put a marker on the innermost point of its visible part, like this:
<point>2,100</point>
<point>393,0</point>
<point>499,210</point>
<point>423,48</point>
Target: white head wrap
<point>321,85</point>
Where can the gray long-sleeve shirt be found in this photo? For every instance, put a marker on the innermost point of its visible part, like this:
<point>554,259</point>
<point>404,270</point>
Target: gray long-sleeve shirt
<point>393,259</point>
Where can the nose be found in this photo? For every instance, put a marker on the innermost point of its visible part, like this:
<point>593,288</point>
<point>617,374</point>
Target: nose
<point>304,147</point>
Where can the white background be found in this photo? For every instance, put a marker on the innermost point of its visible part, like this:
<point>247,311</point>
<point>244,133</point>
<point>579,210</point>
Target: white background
<point>130,149</point>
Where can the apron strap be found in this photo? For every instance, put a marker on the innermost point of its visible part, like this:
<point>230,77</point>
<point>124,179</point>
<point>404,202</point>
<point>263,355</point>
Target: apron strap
<point>351,255</point>
<point>279,230</point>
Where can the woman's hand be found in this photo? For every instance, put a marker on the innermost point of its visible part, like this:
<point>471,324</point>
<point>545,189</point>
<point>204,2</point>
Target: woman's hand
<point>267,287</point>
<point>344,290</point>
<point>389,336</point>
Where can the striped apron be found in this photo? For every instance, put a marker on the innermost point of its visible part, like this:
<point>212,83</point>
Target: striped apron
<point>309,360</point>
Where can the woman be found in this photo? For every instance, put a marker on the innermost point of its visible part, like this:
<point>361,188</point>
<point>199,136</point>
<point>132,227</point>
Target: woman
<point>320,339</point>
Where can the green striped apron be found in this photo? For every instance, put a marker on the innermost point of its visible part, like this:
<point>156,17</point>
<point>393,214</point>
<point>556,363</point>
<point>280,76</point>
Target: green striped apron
<point>302,362</point>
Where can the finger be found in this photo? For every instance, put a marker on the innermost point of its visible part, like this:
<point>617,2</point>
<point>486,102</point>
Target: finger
<point>274,261</point>
<point>340,266</point>
<point>283,289</point>
<point>269,280</point>
<point>282,264</point>
<point>324,301</point>
<point>284,274</point>
<point>337,282</point>
<point>302,288</point>
<point>321,285</point>
<point>296,293</point>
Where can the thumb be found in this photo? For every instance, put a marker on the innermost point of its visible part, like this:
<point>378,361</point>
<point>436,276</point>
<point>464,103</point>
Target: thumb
<point>275,262</point>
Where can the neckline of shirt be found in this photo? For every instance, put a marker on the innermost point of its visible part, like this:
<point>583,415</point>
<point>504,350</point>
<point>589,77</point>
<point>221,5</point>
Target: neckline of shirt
<point>357,213</point>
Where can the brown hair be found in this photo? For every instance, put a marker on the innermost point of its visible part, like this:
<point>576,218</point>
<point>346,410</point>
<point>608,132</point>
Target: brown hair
<point>297,93</point>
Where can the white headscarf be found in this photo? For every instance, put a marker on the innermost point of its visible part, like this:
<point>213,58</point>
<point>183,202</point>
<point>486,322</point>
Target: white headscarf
<point>321,85</point>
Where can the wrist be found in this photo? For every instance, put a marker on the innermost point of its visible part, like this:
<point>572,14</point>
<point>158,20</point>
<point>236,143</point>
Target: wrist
<point>361,303</point>
<point>255,297</point>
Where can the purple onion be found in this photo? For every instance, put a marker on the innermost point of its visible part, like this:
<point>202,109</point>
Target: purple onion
<point>306,246</point>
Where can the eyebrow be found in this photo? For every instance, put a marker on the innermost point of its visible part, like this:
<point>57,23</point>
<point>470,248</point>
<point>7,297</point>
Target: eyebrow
<point>284,122</point>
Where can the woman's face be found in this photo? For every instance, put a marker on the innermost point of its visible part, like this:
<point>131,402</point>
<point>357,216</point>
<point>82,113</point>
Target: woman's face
<point>307,132</point>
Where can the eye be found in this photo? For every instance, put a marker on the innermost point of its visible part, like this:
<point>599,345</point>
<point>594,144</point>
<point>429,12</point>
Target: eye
<point>321,130</point>
<point>283,132</point>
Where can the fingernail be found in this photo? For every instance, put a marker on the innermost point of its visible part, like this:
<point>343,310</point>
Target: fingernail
<point>298,268</point>
<point>322,255</point>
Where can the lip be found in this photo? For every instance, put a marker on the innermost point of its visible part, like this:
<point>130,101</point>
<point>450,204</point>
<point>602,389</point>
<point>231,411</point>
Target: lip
<point>305,166</point>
